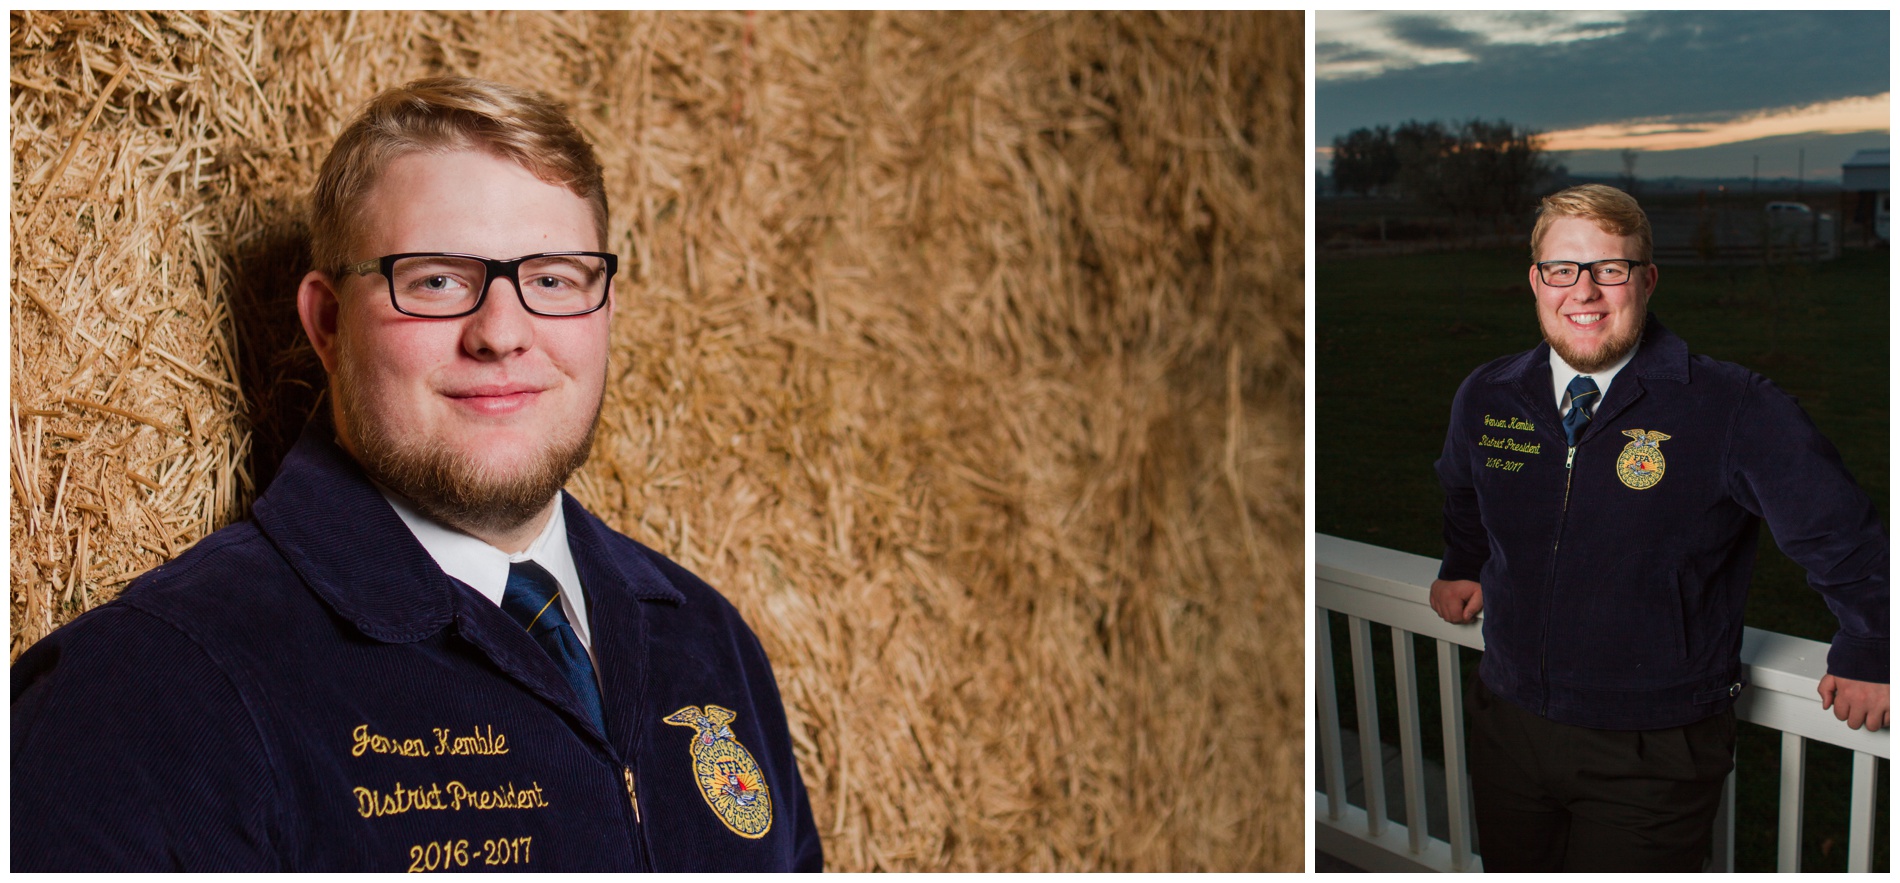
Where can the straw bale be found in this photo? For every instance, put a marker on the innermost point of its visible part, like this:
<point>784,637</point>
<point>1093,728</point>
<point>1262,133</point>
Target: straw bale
<point>962,351</point>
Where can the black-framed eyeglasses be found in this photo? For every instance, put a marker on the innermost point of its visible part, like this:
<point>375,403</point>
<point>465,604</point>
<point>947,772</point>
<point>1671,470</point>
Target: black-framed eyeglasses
<point>1563,274</point>
<point>443,285</point>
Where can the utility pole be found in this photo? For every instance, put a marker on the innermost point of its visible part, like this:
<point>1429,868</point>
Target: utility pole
<point>1754,178</point>
<point>1801,174</point>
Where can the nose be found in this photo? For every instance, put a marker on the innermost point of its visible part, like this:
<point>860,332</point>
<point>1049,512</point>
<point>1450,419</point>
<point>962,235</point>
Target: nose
<point>1586,288</point>
<point>502,327</point>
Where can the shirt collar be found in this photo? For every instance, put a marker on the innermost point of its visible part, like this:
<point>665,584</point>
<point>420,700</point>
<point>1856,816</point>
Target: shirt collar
<point>349,546</point>
<point>1561,374</point>
<point>485,568</point>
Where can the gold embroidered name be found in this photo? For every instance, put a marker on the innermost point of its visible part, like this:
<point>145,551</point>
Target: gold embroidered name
<point>481,740</point>
<point>1510,444</point>
<point>444,855</point>
<point>371,803</point>
<point>364,740</point>
<point>505,797</point>
<point>1509,423</point>
<point>452,797</point>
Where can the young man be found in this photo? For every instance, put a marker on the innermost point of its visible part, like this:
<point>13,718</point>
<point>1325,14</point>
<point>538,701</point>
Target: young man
<point>419,654</point>
<point>1603,496</point>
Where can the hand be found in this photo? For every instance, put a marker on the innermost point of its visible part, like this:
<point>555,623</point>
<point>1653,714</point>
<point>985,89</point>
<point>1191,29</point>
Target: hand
<point>1859,703</point>
<point>1459,600</point>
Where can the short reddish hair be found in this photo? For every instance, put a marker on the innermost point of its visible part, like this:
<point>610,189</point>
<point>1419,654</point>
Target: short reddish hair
<point>442,114</point>
<point>1614,211</point>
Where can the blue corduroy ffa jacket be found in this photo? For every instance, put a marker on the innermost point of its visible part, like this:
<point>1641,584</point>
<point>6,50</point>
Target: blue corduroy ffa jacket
<point>307,690</point>
<point>1614,575</point>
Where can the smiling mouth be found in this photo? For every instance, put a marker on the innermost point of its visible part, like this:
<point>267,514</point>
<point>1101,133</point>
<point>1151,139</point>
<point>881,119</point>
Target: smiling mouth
<point>1586,318</point>
<point>495,402</point>
<point>495,390</point>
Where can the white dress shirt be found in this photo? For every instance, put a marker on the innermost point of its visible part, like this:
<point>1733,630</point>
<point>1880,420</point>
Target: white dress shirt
<point>485,568</point>
<point>1561,374</point>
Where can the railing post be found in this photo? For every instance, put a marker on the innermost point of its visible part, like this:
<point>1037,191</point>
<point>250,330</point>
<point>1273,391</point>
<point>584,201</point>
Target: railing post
<point>1860,817</point>
<point>1371,758</point>
<point>1330,747</point>
<point>1794,759</point>
<point>1368,584</point>
<point>1451,709</point>
<point>1405,680</point>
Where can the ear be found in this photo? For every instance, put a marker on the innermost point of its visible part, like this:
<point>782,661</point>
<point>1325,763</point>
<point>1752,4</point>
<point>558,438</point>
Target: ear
<point>1654,274</point>
<point>1533,278</point>
<point>317,306</point>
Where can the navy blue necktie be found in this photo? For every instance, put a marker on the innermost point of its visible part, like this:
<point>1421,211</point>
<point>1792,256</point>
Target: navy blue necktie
<point>533,598</point>
<point>1583,393</point>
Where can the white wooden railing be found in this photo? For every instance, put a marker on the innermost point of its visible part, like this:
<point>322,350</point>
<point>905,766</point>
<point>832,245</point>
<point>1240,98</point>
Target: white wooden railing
<point>1370,584</point>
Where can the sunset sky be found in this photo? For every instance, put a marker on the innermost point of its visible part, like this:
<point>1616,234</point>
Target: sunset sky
<point>1699,94</point>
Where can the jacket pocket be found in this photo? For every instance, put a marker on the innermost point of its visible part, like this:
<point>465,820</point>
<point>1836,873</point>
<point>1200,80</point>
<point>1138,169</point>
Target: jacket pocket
<point>1679,630</point>
<point>1621,637</point>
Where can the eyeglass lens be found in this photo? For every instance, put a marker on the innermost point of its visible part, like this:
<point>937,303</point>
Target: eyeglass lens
<point>1564,273</point>
<point>441,285</point>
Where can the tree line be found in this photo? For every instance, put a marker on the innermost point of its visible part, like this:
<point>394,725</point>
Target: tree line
<point>1478,169</point>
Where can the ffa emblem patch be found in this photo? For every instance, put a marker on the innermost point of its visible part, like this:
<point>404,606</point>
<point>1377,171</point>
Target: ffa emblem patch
<point>1641,463</point>
<point>728,777</point>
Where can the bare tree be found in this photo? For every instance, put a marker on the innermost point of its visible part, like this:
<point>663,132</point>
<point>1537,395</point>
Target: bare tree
<point>1477,170</point>
<point>1364,161</point>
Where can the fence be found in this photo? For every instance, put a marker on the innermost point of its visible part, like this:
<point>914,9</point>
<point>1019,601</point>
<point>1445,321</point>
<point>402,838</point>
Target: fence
<point>1370,584</point>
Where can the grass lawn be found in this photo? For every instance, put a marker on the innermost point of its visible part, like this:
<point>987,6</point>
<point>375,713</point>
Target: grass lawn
<point>1394,336</point>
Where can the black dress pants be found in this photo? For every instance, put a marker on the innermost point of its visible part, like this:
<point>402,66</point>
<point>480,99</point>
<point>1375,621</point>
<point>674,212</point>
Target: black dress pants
<point>1555,797</point>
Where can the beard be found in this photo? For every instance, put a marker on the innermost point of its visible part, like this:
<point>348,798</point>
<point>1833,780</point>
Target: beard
<point>448,488</point>
<point>1614,347</point>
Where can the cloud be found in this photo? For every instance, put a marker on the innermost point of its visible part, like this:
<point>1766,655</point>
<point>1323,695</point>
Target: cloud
<point>1371,44</point>
<point>1779,157</point>
<point>1564,71</point>
<point>1865,113</point>
<point>1343,53</point>
<point>1427,32</point>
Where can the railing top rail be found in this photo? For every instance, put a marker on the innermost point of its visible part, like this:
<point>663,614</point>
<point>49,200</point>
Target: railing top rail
<point>1398,585</point>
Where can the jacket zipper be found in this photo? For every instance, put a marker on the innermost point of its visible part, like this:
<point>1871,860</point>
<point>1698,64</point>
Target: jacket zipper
<point>1550,594</point>
<point>643,857</point>
<point>633,796</point>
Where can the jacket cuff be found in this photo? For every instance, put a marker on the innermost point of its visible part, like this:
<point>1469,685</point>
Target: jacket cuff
<point>1457,566</point>
<point>1860,660</point>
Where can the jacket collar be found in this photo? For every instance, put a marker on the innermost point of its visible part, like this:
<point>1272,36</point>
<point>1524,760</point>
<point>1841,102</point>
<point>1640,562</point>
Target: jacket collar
<point>350,547</point>
<point>1661,357</point>
<point>607,559</point>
